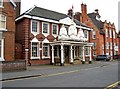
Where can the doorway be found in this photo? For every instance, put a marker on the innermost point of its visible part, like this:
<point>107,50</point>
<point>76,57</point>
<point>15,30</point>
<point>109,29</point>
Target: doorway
<point>66,54</point>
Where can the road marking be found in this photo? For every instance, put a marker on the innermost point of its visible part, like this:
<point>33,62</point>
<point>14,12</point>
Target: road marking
<point>112,85</point>
<point>60,73</point>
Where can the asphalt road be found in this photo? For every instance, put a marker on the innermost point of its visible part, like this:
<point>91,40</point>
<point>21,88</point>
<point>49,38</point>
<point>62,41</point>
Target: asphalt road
<point>96,76</point>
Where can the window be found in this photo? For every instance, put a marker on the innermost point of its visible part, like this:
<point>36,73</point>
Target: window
<point>94,34</point>
<point>0,48</point>
<point>102,46</point>
<point>106,32</point>
<point>107,45</point>
<point>110,45</point>
<point>2,21</point>
<point>45,50</point>
<point>114,34</point>
<point>102,52</point>
<point>94,46</point>
<point>45,28</point>
<point>110,34</point>
<point>35,26</point>
<point>86,34</point>
<point>35,50</point>
<point>1,3</point>
<point>54,29</point>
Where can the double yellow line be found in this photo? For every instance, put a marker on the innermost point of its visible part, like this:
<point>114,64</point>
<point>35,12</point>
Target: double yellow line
<point>112,85</point>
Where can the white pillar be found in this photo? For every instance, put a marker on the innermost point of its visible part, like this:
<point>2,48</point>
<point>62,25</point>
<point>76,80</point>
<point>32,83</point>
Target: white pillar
<point>53,61</point>
<point>62,55</point>
<point>71,54</point>
<point>90,61</point>
<point>83,61</point>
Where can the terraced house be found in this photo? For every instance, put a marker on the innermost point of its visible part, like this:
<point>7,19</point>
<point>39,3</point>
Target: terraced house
<point>104,35</point>
<point>52,37</point>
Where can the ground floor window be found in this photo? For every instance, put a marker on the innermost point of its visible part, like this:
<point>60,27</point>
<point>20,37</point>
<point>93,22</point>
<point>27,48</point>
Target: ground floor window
<point>45,50</point>
<point>1,50</point>
<point>35,50</point>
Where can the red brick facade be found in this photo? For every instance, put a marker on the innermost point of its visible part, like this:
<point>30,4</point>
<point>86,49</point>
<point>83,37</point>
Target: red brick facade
<point>100,39</point>
<point>8,36</point>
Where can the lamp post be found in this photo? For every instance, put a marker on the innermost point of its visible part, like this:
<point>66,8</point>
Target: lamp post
<point>26,57</point>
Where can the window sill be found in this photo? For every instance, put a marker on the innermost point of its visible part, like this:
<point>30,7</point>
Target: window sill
<point>3,29</point>
<point>36,58</point>
<point>45,57</point>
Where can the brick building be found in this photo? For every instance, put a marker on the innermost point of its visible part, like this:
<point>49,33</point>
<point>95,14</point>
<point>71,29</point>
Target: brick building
<point>104,34</point>
<point>7,30</point>
<point>50,36</point>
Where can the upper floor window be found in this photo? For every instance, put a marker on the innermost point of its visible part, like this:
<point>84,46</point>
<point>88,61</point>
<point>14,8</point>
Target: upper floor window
<point>107,45</point>
<point>106,32</point>
<point>114,34</point>
<point>35,26</point>
<point>1,3</point>
<point>94,34</point>
<point>55,29</point>
<point>2,21</point>
<point>86,34</point>
<point>45,28</point>
<point>110,34</point>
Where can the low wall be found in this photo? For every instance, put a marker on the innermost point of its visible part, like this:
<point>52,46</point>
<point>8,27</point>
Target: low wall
<point>12,65</point>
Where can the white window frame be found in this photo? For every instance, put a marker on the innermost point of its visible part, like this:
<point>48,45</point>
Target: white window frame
<point>1,5</point>
<point>86,33</point>
<point>35,33</point>
<point>110,34</point>
<point>56,29</point>
<point>106,32</point>
<point>114,34</point>
<point>107,45</point>
<point>103,46</point>
<point>48,54</point>
<point>111,45</point>
<point>93,34</point>
<point>2,50</point>
<point>48,28</point>
<point>3,20</point>
<point>94,45</point>
<point>38,52</point>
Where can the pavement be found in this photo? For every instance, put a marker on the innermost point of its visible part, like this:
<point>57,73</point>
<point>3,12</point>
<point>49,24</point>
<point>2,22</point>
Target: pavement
<point>39,70</point>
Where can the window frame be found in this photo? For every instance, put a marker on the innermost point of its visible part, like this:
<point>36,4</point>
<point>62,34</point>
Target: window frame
<point>106,32</point>
<point>3,21</point>
<point>48,51</point>
<point>47,28</point>
<point>2,50</point>
<point>86,34</point>
<point>56,29</point>
<point>38,52</point>
<point>93,34</point>
<point>1,5</point>
<point>37,27</point>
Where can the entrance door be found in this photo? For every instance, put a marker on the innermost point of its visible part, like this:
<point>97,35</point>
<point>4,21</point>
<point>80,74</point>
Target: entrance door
<point>66,54</point>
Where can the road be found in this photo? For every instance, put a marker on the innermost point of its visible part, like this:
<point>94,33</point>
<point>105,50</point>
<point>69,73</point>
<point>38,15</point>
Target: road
<point>72,76</point>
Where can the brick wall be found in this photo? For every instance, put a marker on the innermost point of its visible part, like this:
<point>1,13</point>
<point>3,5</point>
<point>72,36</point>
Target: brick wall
<point>12,65</point>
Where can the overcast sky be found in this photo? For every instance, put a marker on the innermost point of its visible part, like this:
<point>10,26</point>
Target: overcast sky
<point>108,9</point>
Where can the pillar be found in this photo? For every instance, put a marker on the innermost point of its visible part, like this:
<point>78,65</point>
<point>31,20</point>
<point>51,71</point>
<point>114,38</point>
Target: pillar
<point>53,61</point>
<point>83,61</point>
<point>62,55</point>
<point>90,61</point>
<point>71,54</point>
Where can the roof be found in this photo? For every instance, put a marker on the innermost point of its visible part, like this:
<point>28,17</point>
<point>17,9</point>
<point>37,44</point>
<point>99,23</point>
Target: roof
<point>98,23</point>
<point>48,14</point>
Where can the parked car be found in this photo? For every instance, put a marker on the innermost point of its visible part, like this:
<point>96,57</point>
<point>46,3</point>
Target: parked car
<point>103,57</point>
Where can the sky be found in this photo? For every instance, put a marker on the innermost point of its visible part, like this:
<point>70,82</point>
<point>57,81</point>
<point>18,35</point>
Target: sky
<point>108,9</point>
